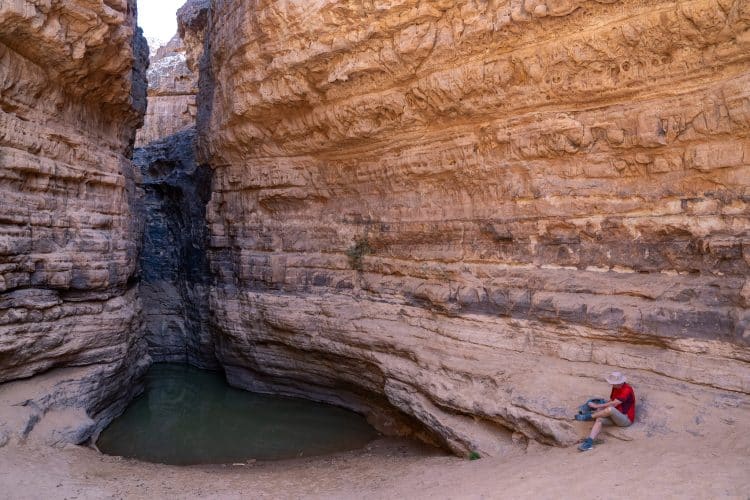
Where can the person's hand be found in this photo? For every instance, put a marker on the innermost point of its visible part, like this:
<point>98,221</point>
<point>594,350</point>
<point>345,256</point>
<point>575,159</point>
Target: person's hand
<point>594,405</point>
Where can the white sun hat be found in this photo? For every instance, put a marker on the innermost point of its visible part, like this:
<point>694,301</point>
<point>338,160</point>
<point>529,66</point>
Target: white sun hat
<point>615,378</point>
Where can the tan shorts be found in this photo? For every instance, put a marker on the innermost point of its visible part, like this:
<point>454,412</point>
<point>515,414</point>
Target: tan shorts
<point>617,418</point>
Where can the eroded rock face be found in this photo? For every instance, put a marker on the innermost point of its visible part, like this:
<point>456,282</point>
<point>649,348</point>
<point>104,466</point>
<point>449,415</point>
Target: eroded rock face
<point>174,263</point>
<point>173,77</point>
<point>72,92</point>
<point>467,212</point>
<point>192,19</point>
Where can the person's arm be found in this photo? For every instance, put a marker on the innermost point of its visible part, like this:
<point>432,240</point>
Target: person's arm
<point>614,402</point>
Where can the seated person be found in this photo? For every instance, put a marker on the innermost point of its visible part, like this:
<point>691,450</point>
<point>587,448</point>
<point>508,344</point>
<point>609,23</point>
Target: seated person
<point>619,410</point>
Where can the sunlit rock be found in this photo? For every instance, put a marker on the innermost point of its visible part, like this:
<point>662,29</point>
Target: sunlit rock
<point>456,216</point>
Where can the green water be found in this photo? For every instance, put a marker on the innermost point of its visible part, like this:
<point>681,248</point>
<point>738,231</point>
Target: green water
<point>190,416</point>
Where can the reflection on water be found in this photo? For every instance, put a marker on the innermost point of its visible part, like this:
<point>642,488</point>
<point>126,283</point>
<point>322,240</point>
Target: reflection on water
<point>190,416</point>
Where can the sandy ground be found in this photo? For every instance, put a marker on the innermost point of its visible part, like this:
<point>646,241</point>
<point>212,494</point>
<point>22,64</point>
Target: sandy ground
<point>713,465</point>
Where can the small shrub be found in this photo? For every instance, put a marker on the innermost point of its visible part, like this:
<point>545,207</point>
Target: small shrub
<point>474,456</point>
<point>357,252</point>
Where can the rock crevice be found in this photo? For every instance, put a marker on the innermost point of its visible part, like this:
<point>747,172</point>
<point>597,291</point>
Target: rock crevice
<point>174,269</point>
<point>174,264</point>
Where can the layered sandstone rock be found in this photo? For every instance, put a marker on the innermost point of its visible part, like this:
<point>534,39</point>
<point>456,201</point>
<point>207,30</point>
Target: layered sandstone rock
<point>72,92</point>
<point>173,77</point>
<point>171,94</point>
<point>456,216</point>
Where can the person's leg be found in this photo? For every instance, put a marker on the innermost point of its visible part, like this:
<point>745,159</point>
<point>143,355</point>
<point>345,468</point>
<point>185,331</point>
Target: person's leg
<point>619,418</point>
<point>602,417</point>
<point>599,416</point>
<point>596,428</point>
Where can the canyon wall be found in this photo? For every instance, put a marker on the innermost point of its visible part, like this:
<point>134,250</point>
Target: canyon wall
<point>457,216</point>
<point>173,77</point>
<point>72,93</point>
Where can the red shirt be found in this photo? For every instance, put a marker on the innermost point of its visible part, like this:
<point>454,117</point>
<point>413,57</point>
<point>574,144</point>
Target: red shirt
<point>626,395</point>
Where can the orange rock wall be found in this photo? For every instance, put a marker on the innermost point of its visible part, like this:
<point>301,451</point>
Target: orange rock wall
<point>469,211</point>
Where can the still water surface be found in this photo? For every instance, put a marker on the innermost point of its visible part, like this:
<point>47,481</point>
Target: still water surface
<point>190,416</point>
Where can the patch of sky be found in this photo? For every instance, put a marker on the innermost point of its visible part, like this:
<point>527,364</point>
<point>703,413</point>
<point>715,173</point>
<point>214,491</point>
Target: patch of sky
<point>158,20</point>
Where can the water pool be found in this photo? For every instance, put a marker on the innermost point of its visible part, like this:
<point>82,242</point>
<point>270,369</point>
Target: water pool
<point>190,416</point>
